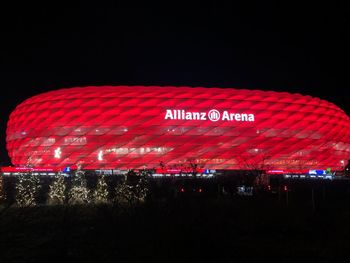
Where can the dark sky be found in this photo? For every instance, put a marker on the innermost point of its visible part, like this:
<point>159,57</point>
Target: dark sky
<point>269,46</point>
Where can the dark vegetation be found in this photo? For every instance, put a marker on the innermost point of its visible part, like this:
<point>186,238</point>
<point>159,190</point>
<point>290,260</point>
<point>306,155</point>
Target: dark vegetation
<point>308,222</point>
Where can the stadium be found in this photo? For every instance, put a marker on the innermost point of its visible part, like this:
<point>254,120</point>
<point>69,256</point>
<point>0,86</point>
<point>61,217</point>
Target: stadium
<point>124,127</point>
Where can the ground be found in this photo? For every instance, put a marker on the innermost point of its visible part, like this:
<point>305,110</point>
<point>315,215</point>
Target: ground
<point>215,230</point>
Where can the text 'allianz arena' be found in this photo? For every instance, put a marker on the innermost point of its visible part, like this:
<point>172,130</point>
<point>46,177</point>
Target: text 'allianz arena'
<point>133,127</point>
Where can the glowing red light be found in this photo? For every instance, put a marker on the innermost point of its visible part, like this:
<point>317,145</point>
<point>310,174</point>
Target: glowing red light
<point>200,190</point>
<point>285,188</point>
<point>182,190</point>
<point>118,127</point>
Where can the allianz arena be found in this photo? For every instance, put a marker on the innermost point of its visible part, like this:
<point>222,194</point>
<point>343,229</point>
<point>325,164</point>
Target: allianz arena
<point>120,127</point>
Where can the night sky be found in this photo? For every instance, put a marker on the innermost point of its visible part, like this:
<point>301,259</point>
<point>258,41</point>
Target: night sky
<point>298,48</point>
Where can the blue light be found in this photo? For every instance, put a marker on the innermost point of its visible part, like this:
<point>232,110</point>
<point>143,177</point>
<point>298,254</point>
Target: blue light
<point>317,172</point>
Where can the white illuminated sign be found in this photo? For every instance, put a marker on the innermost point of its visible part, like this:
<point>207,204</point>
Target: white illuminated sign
<point>212,115</point>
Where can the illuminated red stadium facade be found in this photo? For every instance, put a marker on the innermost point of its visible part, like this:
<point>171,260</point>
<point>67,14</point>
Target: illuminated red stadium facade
<point>131,127</point>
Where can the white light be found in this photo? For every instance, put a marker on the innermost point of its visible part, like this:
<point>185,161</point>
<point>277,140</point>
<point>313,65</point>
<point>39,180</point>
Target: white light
<point>100,156</point>
<point>342,161</point>
<point>58,153</point>
<point>157,175</point>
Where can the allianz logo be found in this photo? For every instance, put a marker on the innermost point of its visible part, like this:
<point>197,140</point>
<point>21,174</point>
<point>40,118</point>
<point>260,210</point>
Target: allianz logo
<point>212,115</point>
